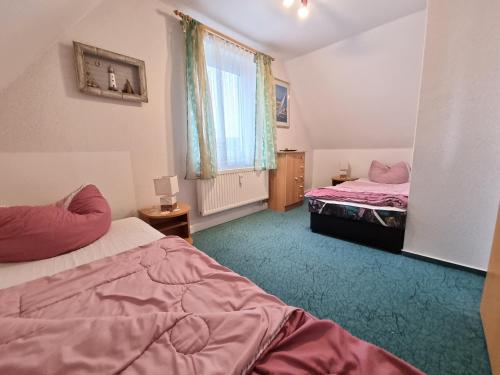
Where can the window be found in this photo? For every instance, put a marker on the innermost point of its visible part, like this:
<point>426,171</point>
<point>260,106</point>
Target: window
<point>232,80</point>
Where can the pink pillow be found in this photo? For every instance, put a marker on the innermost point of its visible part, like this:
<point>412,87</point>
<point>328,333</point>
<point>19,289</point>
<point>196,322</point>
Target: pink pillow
<point>39,232</point>
<point>399,173</point>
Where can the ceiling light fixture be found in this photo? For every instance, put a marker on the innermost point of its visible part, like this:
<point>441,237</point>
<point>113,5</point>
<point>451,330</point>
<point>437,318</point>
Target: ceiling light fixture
<point>288,3</point>
<point>303,11</point>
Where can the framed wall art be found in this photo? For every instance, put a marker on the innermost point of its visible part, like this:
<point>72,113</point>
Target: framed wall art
<point>104,73</point>
<point>282,103</point>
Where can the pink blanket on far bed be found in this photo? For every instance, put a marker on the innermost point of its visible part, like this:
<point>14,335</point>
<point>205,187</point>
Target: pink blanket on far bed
<point>365,192</point>
<point>168,308</point>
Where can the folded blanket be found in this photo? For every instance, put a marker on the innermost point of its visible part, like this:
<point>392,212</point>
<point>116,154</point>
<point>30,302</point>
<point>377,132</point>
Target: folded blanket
<point>365,192</point>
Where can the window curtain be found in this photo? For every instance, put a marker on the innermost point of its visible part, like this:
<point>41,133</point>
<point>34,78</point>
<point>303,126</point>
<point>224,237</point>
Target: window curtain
<point>265,112</point>
<point>201,141</point>
<point>232,77</point>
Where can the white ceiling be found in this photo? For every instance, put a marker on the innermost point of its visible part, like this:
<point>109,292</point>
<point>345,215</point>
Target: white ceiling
<point>280,31</point>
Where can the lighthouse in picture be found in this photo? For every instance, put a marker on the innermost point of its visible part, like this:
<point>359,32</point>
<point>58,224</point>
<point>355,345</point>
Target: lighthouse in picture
<point>112,79</point>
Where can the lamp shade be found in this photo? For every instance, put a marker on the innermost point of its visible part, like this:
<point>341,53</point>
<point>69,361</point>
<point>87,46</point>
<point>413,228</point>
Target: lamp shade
<point>166,185</point>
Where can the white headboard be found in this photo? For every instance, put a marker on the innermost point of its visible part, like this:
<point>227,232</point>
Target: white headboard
<point>41,178</point>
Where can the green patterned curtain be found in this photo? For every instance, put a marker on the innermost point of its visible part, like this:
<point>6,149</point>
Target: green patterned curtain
<point>201,143</point>
<point>265,125</point>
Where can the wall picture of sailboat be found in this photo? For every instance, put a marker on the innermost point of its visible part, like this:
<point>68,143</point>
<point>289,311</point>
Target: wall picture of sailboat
<point>282,103</point>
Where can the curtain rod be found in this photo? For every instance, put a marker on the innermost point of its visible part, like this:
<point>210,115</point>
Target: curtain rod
<point>223,36</point>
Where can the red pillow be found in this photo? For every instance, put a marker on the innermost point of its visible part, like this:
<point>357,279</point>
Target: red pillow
<point>399,173</point>
<point>39,232</point>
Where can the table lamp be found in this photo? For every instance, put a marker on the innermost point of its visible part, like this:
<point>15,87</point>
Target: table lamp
<point>166,187</point>
<point>344,170</point>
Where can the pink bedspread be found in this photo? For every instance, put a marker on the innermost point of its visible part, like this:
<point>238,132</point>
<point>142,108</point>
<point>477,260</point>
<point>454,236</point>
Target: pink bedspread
<point>168,308</point>
<point>365,192</point>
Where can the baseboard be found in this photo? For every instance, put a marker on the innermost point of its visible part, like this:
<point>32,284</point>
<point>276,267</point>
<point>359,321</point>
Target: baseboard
<point>224,217</point>
<point>444,263</point>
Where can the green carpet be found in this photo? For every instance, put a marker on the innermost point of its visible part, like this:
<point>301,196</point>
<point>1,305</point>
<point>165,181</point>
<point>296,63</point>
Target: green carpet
<point>425,313</point>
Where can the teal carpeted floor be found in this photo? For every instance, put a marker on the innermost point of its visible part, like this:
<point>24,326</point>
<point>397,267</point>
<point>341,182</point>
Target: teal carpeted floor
<point>424,313</point>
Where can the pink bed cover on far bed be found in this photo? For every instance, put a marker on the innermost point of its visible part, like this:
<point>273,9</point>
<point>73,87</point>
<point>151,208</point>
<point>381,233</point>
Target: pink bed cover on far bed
<point>167,308</point>
<point>365,192</point>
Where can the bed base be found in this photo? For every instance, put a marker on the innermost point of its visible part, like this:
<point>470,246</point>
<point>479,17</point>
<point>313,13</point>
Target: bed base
<point>378,236</point>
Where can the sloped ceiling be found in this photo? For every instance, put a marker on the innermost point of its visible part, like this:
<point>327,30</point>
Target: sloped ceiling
<point>28,27</point>
<point>279,29</point>
<point>362,92</point>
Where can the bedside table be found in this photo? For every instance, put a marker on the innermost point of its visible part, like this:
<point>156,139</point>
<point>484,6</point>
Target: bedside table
<point>338,180</point>
<point>169,223</point>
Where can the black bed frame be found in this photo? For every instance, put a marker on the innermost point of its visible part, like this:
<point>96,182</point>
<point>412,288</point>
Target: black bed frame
<point>374,235</point>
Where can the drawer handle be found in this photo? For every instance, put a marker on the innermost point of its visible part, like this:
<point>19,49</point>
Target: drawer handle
<point>296,178</point>
<point>301,196</point>
<point>301,186</point>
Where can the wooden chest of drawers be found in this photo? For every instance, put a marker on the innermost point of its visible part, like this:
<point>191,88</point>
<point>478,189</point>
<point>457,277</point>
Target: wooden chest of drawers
<point>286,183</point>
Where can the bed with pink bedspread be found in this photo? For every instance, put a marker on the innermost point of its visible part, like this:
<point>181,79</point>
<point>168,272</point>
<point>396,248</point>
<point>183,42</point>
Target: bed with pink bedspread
<point>363,211</point>
<point>167,308</point>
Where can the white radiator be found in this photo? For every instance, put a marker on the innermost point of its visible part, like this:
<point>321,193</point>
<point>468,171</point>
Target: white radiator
<point>232,189</point>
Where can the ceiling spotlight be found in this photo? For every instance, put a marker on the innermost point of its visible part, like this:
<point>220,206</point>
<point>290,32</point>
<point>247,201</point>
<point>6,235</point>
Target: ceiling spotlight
<point>288,3</point>
<point>303,11</point>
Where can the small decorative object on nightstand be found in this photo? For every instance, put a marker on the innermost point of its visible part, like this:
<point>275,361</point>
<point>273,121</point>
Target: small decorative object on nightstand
<point>169,223</point>
<point>338,179</point>
<point>345,170</point>
<point>166,187</point>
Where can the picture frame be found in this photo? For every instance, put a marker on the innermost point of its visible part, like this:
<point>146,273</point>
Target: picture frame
<point>94,65</point>
<point>282,89</point>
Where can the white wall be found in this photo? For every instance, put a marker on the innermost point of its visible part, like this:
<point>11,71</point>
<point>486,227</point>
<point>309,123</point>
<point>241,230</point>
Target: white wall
<point>326,163</point>
<point>42,111</point>
<point>362,92</point>
<point>456,168</point>
<point>34,178</point>
<point>29,26</point>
